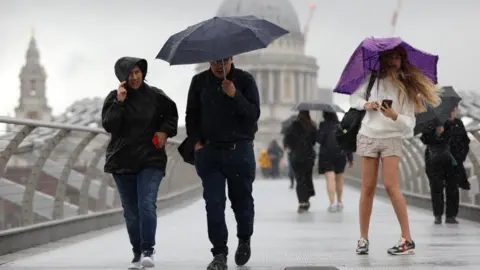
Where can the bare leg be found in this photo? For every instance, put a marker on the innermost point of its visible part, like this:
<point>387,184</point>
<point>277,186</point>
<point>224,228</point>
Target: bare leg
<point>390,167</point>
<point>339,186</point>
<point>369,184</point>
<point>330,178</point>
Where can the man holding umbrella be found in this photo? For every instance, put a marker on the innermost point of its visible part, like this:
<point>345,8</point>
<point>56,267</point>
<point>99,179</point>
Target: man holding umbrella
<point>447,145</point>
<point>223,108</point>
<point>221,118</point>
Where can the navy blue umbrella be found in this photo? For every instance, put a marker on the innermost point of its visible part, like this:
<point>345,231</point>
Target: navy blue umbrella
<point>219,38</point>
<point>317,106</point>
<point>437,116</point>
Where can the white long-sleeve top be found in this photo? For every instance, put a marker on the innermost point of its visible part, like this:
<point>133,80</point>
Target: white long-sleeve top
<point>375,124</point>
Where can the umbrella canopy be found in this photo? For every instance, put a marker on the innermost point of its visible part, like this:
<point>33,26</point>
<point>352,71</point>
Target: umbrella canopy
<point>317,106</point>
<point>437,116</point>
<point>365,59</point>
<point>219,38</point>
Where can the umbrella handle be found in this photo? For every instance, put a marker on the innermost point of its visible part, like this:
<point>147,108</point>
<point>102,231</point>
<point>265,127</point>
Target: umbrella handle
<point>224,73</point>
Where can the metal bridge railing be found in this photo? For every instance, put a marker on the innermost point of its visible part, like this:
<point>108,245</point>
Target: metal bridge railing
<point>54,172</point>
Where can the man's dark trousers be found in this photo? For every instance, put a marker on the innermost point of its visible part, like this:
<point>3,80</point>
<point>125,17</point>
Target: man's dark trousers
<point>442,180</point>
<point>219,164</point>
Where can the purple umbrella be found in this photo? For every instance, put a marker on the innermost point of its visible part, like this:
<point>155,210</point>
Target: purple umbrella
<point>365,60</point>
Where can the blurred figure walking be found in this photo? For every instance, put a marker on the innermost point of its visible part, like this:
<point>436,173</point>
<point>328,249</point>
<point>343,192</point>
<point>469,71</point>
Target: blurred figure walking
<point>275,153</point>
<point>332,160</point>
<point>447,149</point>
<point>264,163</point>
<point>300,139</point>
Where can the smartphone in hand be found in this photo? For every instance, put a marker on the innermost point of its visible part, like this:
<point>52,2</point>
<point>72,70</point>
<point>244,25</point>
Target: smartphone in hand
<point>387,103</point>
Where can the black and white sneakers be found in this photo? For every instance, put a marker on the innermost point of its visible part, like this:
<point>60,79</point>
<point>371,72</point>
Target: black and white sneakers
<point>141,261</point>
<point>362,246</point>
<point>135,262</point>
<point>403,247</point>
<point>147,259</point>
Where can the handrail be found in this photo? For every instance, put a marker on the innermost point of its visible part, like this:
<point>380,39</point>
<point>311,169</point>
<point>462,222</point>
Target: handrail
<point>53,125</point>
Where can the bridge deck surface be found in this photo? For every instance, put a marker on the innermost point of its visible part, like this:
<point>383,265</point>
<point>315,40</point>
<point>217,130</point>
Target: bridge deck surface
<point>282,239</point>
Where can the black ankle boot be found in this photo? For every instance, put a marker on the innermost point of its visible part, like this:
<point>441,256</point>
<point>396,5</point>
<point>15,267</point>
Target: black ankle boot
<point>451,220</point>
<point>243,253</point>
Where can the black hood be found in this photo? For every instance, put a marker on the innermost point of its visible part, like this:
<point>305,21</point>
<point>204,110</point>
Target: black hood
<point>124,66</point>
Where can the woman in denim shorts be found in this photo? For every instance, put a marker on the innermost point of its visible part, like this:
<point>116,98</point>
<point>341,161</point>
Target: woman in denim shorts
<point>400,91</point>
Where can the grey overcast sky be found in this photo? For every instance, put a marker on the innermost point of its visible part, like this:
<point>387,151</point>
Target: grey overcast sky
<point>80,40</point>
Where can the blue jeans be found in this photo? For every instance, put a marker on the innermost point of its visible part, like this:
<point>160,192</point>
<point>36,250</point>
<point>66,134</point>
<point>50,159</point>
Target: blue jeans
<point>138,193</point>
<point>219,168</point>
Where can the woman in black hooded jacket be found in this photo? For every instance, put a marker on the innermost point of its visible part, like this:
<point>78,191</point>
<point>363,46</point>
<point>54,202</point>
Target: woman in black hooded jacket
<point>300,139</point>
<point>139,119</point>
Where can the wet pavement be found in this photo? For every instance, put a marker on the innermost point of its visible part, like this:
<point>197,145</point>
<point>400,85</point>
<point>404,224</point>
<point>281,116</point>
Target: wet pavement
<point>283,239</point>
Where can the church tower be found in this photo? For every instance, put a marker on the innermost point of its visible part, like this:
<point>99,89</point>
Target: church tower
<point>33,102</point>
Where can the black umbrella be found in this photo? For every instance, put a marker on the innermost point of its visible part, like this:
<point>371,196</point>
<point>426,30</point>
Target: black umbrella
<point>317,106</point>
<point>219,38</point>
<point>437,116</point>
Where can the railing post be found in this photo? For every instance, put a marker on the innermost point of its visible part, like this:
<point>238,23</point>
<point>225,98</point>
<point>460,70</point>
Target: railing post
<point>89,175</point>
<point>28,217</point>
<point>60,193</point>
<point>3,215</point>
<point>13,146</point>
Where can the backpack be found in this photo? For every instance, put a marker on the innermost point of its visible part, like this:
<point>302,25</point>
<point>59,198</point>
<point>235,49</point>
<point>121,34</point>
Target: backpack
<point>347,130</point>
<point>329,141</point>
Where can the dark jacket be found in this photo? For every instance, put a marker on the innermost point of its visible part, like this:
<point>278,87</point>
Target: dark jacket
<point>133,123</point>
<point>453,140</point>
<point>213,116</point>
<point>446,153</point>
<point>301,142</point>
<point>329,148</point>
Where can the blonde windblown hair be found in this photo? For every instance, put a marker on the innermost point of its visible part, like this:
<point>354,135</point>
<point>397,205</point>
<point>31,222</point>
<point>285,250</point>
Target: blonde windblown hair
<point>411,82</point>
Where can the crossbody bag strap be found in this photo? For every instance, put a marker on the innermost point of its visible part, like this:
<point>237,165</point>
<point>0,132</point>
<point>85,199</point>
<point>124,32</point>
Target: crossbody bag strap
<point>371,82</point>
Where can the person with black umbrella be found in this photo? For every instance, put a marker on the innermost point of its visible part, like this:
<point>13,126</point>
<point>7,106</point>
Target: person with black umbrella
<point>447,149</point>
<point>332,159</point>
<point>223,108</point>
<point>300,139</point>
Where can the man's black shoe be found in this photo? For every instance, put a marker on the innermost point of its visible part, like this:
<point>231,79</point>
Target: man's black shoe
<point>242,255</point>
<point>438,220</point>
<point>451,220</point>
<point>219,263</point>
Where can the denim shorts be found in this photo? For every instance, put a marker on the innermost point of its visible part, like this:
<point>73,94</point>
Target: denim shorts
<point>379,147</point>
